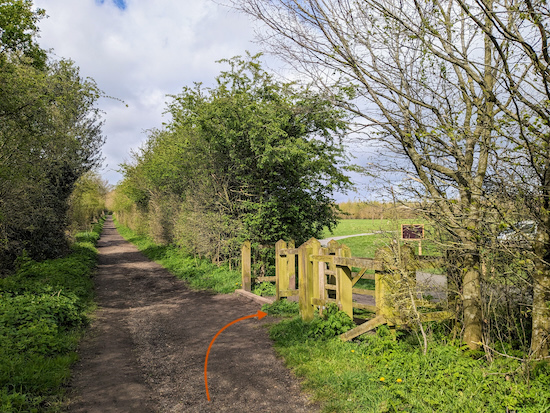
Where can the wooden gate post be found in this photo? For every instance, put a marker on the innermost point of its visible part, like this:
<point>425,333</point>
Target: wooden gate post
<point>305,279</point>
<point>246,266</point>
<point>345,285</point>
<point>315,273</point>
<point>383,283</point>
<point>281,269</point>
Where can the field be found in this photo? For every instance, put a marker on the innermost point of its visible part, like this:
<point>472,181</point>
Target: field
<point>383,232</point>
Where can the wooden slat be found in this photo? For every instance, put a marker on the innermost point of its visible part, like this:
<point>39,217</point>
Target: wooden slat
<point>357,277</point>
<point>289,293</point>
<point>317,301</point>
<point>365,307</point>
<point>363,328</point>
<point>323,258</point>
<point>288,251</point>
<point>330,287</point>
<point>362,291</point>
<point>246,267</point>
<point>367,263</point>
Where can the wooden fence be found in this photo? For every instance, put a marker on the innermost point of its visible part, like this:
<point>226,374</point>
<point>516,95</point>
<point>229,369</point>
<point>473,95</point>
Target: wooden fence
<point>324,275</point>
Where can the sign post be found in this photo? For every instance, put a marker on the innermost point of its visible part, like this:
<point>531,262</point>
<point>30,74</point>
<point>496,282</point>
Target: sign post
<point>413,232</point>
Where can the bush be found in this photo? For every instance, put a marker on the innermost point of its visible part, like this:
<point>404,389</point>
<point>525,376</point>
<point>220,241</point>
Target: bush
<point>43,308</point>
<point>332,323</point>
<point>264,289</point>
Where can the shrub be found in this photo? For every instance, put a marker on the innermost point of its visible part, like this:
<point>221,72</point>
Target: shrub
<point>43,307</point>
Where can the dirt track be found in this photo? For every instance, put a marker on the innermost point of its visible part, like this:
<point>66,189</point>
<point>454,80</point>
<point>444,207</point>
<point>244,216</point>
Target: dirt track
<point>146,348</point>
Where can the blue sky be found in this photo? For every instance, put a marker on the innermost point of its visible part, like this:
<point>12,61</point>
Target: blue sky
<point>121,4</point>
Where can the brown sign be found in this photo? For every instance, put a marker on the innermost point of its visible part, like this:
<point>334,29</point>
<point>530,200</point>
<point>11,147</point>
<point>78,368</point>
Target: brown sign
<point>412,231</point>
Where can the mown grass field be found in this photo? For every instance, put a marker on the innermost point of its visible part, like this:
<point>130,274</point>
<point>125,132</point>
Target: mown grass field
<point>383,233</point>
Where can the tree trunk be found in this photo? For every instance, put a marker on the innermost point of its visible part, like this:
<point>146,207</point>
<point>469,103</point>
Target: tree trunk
<point>471,291</point>
<point>541,297</point>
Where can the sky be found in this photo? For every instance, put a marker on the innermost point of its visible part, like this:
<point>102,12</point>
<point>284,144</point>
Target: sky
<point>140,51</point>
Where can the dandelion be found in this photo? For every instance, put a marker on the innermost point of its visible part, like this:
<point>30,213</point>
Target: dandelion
<point>353,351</point>
<point>382,379</point>
<point>399,380</point>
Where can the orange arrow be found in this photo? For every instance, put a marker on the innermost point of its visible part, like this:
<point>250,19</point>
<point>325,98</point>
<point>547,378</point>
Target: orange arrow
<point>259,314</point>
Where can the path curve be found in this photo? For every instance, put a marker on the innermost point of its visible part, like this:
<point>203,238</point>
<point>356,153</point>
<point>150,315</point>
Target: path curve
<point>145,350</point>
<point>325,241</point>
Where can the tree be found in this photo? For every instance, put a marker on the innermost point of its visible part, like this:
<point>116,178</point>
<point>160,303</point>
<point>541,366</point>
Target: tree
<point>87,200</point>
<point>18,29</point>
<point>437,126</point>
<point>50,134</point>
<point>251,158</point>
<point>519,33</point>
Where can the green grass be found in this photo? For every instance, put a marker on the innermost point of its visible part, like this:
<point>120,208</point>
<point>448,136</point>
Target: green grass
<point>383,374</point>
<point>362,226</point>
<point>43,311</point>
<point>366,245</point>
<point>200,274</point>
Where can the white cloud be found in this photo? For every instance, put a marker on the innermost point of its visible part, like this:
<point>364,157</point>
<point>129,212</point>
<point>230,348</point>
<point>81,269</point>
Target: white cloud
<point>141,54</point>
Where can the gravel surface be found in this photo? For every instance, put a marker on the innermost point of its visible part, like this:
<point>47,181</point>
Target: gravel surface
<point>146,348</point>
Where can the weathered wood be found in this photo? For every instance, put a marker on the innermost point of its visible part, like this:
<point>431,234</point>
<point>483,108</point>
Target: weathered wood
<point>365,276</point>
<point>246,266</point>
<point>357,276</point>
<point>345,283</point>
<point>314,267</point>
<point>289,251</point>
<point>291,264</point>
<point>367,307</point>
<point>363,328</point>
<point>368,263</point>
<point>289,293</point>
<point>281,269</point>
<point>305,277</point>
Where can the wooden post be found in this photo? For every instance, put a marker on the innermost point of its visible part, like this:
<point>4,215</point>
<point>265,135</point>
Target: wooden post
<point>291,266</point>
<point>321,265</point>
<point>315,250</point>
<point>383,284</point>
<point>305,275</point>
<point>281,269</point>
<point>345,285</point>
<point>246,266</point>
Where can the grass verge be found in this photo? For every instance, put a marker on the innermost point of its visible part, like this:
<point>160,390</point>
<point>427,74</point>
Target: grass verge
<point>43,311</point>
<point>387,372</point>
<point>200,274</point>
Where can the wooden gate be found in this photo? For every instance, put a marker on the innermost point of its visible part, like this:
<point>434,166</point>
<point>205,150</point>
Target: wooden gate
<point>321,275</point>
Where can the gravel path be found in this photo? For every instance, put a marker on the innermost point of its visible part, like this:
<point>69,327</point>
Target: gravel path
<point>146,348</point>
